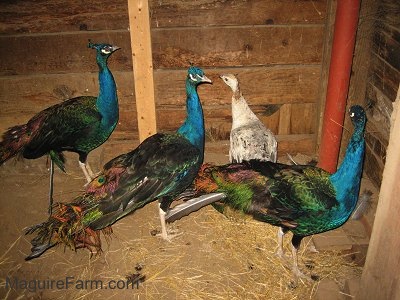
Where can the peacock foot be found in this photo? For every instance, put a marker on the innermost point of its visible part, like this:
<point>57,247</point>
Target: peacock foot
<point>167,235</point>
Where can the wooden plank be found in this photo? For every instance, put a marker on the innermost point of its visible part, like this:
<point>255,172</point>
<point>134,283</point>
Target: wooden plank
<point>36,16</point>
<point>175,48</point>
<point>386,44</point>
<point>260,85</point>
<point>174,13</point>
<point>326,59</point>
<point>361,65</point>
<point>66,53</point>
<point>142,67</point>
<point>33,16</point>
<point>385,77</point>
<point>385,267</point>
<point>302,118</point>
<point>284,119</point>
<point>237,46</point>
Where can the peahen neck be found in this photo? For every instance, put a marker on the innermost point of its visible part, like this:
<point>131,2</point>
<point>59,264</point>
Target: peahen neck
<point>241,112</point>
<point>107,100</point>
<point>193,127</point>
<point>347,178</point>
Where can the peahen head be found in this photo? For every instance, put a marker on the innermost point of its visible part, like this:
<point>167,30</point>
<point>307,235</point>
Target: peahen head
<point>196,76</point>
<point>231,81</point>
<point>104,50</point>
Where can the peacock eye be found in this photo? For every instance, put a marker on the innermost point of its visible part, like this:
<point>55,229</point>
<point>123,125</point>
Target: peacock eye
<point>106,50</point>
<point>101,180</point>
<point>352,115</point>
<point>192,77</point>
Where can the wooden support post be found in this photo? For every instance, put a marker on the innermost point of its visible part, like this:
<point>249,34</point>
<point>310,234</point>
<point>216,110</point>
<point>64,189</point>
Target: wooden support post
<point>381,277</point>
<point>139,24</point>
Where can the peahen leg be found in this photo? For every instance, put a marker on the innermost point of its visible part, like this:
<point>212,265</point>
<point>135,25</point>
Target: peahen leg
<point>51,189</point>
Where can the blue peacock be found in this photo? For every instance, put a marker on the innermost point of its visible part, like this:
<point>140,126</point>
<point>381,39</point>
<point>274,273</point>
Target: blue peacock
<point>79,125</point>
<point>161,167</point>
<point>303,199</point>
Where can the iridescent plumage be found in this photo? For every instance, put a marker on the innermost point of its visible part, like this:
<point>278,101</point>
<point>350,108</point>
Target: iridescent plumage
<point>161,167</point>
<point>302,199</point>
<point>79,125</point>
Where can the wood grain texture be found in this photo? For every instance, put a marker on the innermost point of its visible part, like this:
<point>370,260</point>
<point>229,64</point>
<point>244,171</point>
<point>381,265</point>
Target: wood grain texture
<point>139,24</point>
<point>39,16</point>
<point>237,46</point>
<point>173,13</point>
<point>171,49</point>
<point>383,257</point>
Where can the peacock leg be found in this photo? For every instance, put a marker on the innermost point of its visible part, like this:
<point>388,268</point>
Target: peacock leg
<point>280,252</point>
<point>164,233</point>
<point>85,171</point>
<point>90,171</point>
<point>297,274</point>
<point>51,189</point>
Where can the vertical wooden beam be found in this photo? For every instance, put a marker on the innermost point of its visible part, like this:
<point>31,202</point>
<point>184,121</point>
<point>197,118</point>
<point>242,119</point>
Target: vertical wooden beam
<point>139,24</point>
<point>326,59</point>
<point>381,278</point>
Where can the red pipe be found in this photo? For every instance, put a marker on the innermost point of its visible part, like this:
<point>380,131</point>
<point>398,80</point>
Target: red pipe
<point>338,82</point>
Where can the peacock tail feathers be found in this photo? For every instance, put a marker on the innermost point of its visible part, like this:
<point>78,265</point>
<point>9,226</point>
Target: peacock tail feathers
<point>69,225</point>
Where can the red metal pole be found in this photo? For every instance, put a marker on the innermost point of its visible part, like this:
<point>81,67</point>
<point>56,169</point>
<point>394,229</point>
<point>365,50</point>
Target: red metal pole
<point>338,82</point>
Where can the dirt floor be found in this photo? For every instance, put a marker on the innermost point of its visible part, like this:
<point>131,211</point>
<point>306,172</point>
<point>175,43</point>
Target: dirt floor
<point>214,257</point>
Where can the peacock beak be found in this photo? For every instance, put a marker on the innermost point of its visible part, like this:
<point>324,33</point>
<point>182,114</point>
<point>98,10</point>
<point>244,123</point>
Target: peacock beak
<point>115,48</point>
<point>204,78</point>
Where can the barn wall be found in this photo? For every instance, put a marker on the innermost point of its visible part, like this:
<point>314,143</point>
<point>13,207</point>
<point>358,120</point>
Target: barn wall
<point>274,46</point>
<point>376,77</point>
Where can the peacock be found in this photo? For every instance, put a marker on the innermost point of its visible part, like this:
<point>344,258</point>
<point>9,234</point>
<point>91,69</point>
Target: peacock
<point>161,167</point>
<point>249,138</point>
<point>303,199</point>
<point>79,125</point>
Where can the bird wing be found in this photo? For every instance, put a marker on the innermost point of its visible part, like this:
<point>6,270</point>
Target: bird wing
<point>59,126</point>
<point>252,141</point>
<point>296,191</point>
<point>163,165</point>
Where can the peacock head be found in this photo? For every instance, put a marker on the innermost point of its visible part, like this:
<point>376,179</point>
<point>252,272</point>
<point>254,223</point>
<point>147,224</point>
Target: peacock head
<point>357,115</point>
<point>196,76</point>
<point>103,49</point>
<point>231,81</point>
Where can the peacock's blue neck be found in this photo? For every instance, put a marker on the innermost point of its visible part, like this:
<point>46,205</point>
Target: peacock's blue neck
<point>347,178</point>
<point>193,127</point>
<point>107,100</point>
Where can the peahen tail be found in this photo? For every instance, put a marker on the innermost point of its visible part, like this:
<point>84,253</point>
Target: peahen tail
<point>14,141</point>
<point>68,225</point>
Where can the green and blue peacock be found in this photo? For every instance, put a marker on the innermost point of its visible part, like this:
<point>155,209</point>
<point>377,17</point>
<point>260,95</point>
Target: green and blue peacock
<point>303,199</point>
<point>79,125</point>
<point>161,167</point>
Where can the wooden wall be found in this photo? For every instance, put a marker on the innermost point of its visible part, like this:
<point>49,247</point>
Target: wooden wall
<point>274,46</point>
<point>376,77</point>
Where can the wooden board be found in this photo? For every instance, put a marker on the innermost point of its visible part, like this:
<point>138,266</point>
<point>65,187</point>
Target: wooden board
<point>173,48</point>
<point>38,16</point>
<point>383,257</point>
<point>139,25</point>
<point>237,46</point>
